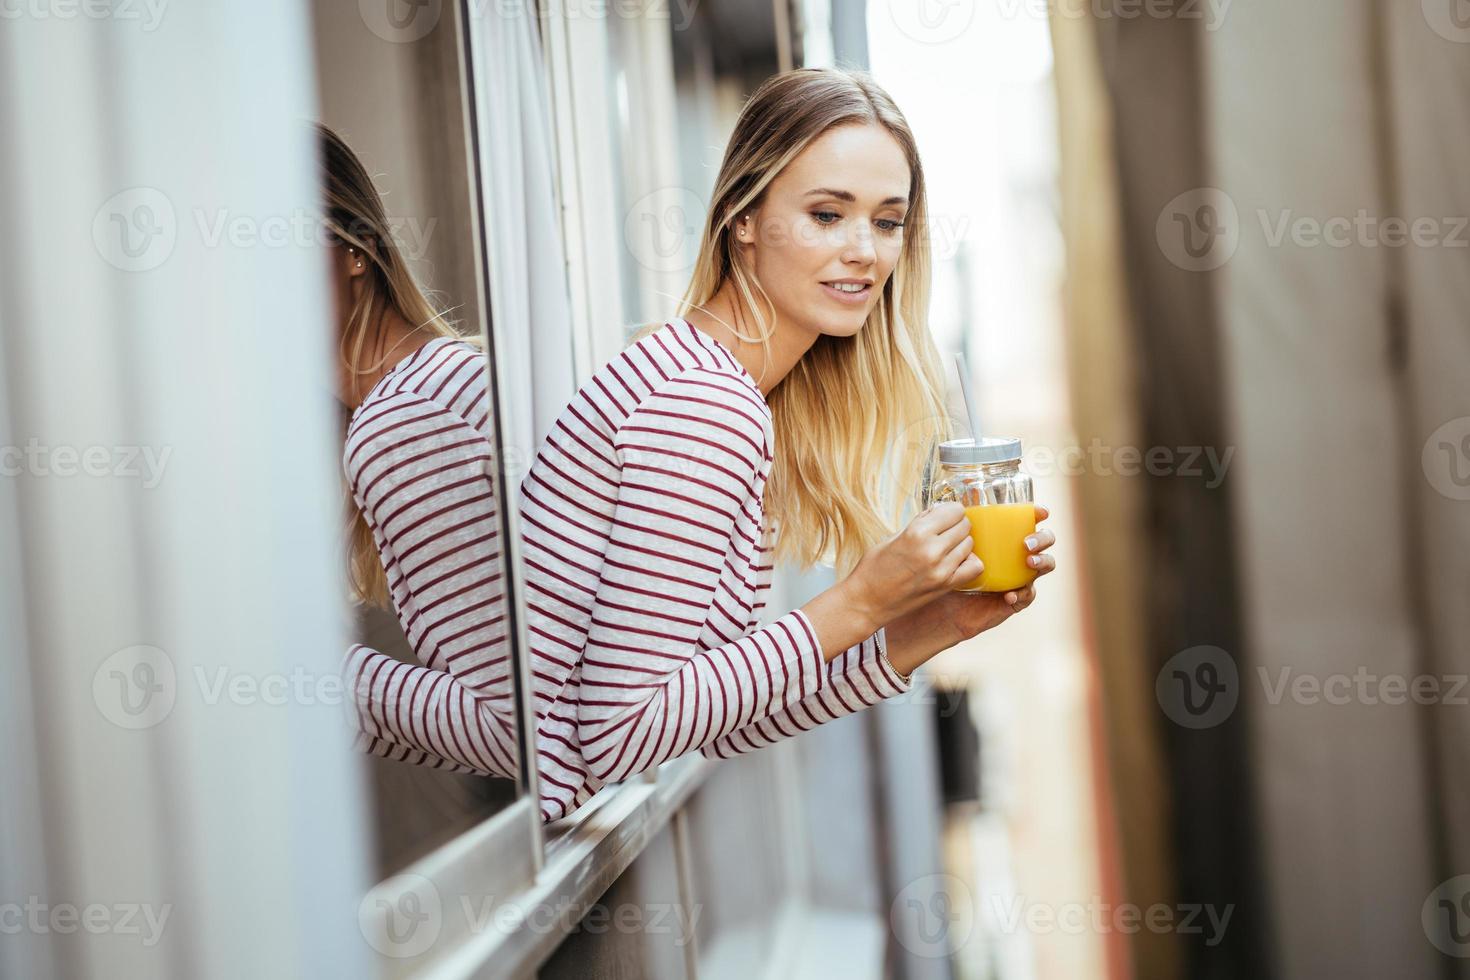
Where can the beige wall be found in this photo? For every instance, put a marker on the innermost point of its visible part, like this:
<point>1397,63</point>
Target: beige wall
<point>1332,551</point>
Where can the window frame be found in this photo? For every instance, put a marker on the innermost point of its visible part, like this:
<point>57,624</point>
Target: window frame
<point>571,862</point>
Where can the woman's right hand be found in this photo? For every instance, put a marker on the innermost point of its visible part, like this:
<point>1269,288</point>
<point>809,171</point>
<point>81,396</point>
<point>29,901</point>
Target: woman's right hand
<point>931,556</point>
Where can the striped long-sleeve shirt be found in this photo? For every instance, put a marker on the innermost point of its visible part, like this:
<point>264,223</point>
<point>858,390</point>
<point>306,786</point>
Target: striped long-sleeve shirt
<point>648,561</point>
<point>418,457</point>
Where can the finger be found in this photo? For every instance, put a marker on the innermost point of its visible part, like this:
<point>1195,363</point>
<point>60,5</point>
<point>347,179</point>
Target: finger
<point>1020,599</point>
<point>1042,563</point>
<point>1040,541</point>
<point>935,517</point>
<point>956,533</point>
<point>1041,513</point>
<point>957,552</point>
<point>941,517</point>
<point>963,564</point>
<point>968,571</point>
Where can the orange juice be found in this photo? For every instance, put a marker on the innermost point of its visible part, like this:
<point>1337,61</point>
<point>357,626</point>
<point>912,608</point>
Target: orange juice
<point>998,533</point>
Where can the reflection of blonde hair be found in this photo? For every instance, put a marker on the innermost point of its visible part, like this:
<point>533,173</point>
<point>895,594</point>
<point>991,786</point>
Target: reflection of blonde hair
<point>355,217</point>
<point>849,403</point>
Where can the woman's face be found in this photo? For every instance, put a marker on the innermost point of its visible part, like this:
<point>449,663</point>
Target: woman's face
<point>829,230</point>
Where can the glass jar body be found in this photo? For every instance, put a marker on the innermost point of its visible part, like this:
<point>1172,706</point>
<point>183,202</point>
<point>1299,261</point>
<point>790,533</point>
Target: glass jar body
<point>998,502</point>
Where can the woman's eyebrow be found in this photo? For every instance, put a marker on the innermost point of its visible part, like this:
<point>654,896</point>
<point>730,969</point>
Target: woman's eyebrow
<point>848,196</point>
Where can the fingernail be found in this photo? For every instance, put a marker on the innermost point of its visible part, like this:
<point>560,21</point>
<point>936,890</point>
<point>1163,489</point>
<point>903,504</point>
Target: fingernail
<point>1030,541</point>
<point>1034,561</point>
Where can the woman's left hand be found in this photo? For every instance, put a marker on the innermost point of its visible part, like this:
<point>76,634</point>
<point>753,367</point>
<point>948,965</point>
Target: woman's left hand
<point>958,616</point>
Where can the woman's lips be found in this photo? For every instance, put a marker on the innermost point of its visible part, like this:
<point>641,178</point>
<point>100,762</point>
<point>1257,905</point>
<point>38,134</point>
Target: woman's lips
<point>857,298</point>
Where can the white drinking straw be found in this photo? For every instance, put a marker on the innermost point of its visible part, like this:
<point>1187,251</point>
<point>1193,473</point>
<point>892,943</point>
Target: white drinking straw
<point>970,400</point>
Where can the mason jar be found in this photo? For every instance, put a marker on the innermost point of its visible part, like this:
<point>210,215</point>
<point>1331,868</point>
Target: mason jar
<point>987,479</point>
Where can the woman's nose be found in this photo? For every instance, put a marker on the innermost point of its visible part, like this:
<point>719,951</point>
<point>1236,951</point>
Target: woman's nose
<point>859,248</point>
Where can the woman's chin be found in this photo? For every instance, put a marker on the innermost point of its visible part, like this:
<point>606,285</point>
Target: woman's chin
<point>847,325</point>
<point>833,323</point>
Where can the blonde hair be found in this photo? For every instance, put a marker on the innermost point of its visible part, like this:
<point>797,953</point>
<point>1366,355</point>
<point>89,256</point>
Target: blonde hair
<point>355,218</point>
<point>848,402</point>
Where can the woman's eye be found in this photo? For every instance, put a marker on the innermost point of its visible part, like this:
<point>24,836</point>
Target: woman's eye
<point>888,224</point>
<point>825,217</point>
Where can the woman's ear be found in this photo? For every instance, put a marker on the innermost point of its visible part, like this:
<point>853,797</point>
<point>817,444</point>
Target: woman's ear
<point>354,264</point>
<point>745,229</point>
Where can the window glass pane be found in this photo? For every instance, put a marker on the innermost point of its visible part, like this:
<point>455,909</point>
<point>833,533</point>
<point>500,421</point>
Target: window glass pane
<point>434,682</point>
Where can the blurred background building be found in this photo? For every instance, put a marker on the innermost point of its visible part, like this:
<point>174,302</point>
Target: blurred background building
<point>1209,259</point>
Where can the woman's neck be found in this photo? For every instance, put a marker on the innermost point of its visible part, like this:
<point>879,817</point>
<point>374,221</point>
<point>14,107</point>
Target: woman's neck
<point>788,343</point>
<point>387,345</point>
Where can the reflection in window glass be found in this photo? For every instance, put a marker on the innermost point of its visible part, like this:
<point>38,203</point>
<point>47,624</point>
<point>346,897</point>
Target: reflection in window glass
<point>431,681</point>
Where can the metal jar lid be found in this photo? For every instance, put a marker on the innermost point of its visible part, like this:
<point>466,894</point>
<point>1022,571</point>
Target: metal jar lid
<point>992,449</point>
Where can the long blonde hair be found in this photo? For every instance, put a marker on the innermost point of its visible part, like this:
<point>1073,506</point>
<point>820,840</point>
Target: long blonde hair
<point>848,402</point>
<point>354,217</point>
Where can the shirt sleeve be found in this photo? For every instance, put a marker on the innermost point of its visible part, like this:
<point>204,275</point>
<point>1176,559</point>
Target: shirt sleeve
<point>422,716</point>
<point>858,678</point>
<point>694,457</point>
<point>420,474</point>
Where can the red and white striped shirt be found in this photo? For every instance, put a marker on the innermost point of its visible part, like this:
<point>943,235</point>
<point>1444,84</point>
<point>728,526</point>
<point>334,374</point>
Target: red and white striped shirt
<point>418,457</point>
<point>647,559</point>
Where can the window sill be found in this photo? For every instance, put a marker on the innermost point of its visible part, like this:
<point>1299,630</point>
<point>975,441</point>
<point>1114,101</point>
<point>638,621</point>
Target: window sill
<point>584,855</point>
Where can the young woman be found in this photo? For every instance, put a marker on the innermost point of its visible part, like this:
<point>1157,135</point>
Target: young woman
<point>425,536</point>
<point>755,427</point>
